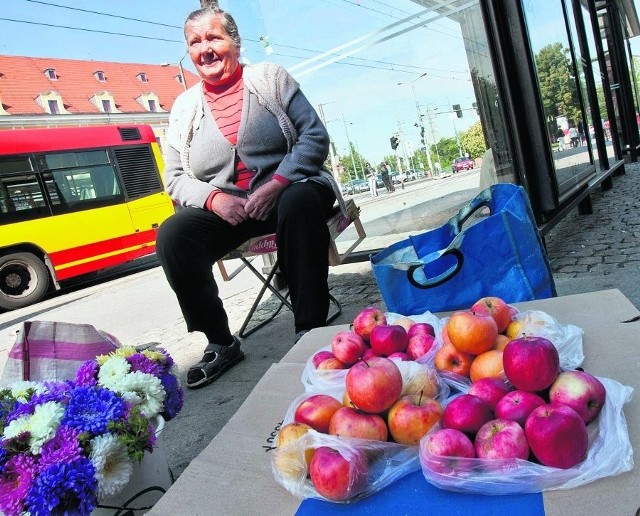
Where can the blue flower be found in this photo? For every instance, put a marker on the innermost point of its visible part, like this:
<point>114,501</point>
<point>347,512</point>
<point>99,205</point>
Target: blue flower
<point>175,396</point>
<point>92,409</point>
<point>64,488</point>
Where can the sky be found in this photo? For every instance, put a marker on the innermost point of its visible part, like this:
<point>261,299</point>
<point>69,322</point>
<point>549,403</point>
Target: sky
<point>377,62</point>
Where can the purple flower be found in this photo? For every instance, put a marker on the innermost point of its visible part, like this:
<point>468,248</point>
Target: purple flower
<point>139,362</point>
<point>15,483</point>
<point>64,488</point>
<point>19,410</point>
<point>175,396</point>
<point>64,447</point>
<point>92,409</point>
<point>87,374</point>
<point>168,363</point>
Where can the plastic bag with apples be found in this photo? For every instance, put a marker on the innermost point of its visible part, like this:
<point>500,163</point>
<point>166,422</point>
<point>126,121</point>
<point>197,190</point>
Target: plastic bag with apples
<point>609,453</point>
<point>316,377</point>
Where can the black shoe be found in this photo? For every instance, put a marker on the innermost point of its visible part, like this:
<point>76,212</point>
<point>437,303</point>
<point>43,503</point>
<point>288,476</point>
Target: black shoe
<point>216,360</point>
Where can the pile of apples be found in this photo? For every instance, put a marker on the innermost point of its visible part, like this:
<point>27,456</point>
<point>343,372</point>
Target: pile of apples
<point>372,336</point>
<point>519,404</point>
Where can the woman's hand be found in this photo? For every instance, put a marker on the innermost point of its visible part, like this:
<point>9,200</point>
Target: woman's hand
<point>262,202</point>
<point>230,208</point>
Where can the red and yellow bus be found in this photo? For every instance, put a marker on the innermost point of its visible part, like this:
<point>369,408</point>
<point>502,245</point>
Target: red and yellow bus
<point>75,200</point>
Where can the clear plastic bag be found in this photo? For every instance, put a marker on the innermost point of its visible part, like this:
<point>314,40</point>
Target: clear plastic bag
<point>609,453</point>
<point>373,464</point>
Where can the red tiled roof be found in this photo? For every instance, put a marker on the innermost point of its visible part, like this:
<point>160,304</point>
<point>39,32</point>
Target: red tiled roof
<point>22,81</point>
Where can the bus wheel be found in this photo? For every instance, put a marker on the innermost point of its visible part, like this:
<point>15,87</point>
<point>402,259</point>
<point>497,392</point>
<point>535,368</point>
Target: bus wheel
<point>24,280</point>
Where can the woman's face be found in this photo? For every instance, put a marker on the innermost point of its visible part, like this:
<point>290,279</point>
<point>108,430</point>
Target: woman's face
<point>211,49</point>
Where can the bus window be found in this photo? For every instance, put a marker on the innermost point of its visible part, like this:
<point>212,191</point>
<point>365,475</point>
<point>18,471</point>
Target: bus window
<point>21,198</point>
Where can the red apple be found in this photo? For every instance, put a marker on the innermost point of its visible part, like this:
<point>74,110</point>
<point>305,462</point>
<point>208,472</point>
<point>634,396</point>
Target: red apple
<point>399,355</point>
<point>321,356</point>
<point>489,390</point>
<point>421,329</point>
<point>331,363</point>
<point>449,359</point>
<point>471,333</point>
<point>350,422</point>
<point>496,308</point>
<point>517,405</point>
<point>348,346</point>
<point>501,439</point>
<point>466,413</point>
<point>419,345</point>
<point>448,449</point>
<point>374,385</point>
<point>531,363</point>
<point>581,391</point>
<point>368,353</point>
<point>336,477</point>
<point>316,411</point>
<point>557,435</point>
<point>411,417</point>
<point>366,320</point>
<point>387,339</point>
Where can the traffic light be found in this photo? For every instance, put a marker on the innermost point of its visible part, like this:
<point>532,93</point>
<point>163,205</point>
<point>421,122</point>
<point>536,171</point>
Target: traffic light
<point>475,106</point>
<point>394,142</point>
<point>457,110</point>
<point>422,135</point>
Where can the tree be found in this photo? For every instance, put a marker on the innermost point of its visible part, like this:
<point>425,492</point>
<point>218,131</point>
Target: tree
<point>346,165</point>
<point>557,84</point>
<point>473,141</point>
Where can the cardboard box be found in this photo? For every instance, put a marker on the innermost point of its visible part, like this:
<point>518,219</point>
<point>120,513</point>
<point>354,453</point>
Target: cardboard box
<point>233,474</point>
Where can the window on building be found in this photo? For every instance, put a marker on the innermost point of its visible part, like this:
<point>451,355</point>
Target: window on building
<point>100,76</point>
<point>153,106</point>
<point>50,73</point>
<point>54,108</point>
<point>142,77</point>
<point>106,106</point>
<point>179,79</point>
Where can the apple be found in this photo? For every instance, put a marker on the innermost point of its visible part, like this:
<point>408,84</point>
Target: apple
<point>399,355</point>
<point>557,435</point>
<point>515,330</point>
<point>368,353</point>
<point>517,405</point>
<point>337,477</point>
<point>501,342</point>
<point>411,417</point>
<point>421,329</point>
<point>386,339</point>
<point>424,381</point>
<point>489,390</point>
<point>331,363</point>
<point>321,356</point>
<point>348,347</point>
<point>366,320</point>
<point>487,365</point>
<point>466,413</point>
<point>448,449</point>
<point>405,322</point>
<point>287,459</point>
<point>496,308</point>
<point>531,363</point>
<point>351,422</point>
<point>316,411</point>
<point>501,439</point>
<point>419,345</point>
<point>448,358</point>
<point>471,333</point>
<point>581,391</point>
<point>374,385</point>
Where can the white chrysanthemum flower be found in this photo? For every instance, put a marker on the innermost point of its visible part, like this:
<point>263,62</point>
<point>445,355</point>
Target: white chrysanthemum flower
<point>19,389</point>
<point>111,461</point>
<point>148,388</point>
<point>44,423</point>
<point>112,372</point>
<point>17,427</point>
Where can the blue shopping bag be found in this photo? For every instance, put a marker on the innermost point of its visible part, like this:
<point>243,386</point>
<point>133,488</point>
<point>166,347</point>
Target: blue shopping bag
<point>451,267</point>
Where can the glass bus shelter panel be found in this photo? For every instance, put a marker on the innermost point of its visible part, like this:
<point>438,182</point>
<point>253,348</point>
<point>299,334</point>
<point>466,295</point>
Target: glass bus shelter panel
<point>561,93</point>
<point>405,82</point>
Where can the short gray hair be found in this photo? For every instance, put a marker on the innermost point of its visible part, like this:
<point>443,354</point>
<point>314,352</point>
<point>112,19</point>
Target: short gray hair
<point>226,20</point>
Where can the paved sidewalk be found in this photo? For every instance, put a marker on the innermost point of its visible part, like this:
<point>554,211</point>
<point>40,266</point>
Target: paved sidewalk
<point>587,253</point>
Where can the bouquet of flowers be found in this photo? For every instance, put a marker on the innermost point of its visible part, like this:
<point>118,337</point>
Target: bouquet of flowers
<point>65,445</point>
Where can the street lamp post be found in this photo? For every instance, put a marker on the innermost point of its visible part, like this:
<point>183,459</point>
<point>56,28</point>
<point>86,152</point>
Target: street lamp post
<point>353,161</point>
<point>420,124</point>
<point>183,80</point>
<point>332,155</point>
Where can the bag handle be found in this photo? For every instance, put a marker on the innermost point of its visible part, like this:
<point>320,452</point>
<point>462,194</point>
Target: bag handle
<point>441,278</point>
<point>26,361</point>
<point>481,200</point>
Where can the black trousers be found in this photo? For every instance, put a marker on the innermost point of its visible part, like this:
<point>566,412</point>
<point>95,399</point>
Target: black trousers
<point>190,242</point>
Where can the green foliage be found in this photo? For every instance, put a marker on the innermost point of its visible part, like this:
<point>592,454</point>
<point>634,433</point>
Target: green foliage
<point>133,433</point>
<point>557,86</point>
<point>473,142</point>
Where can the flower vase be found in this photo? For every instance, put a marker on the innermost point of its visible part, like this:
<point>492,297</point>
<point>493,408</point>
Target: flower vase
<point>149,481</point>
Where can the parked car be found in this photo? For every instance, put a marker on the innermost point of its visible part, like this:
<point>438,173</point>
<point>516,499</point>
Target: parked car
<point>355,186</point>
<point>462,164</point>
